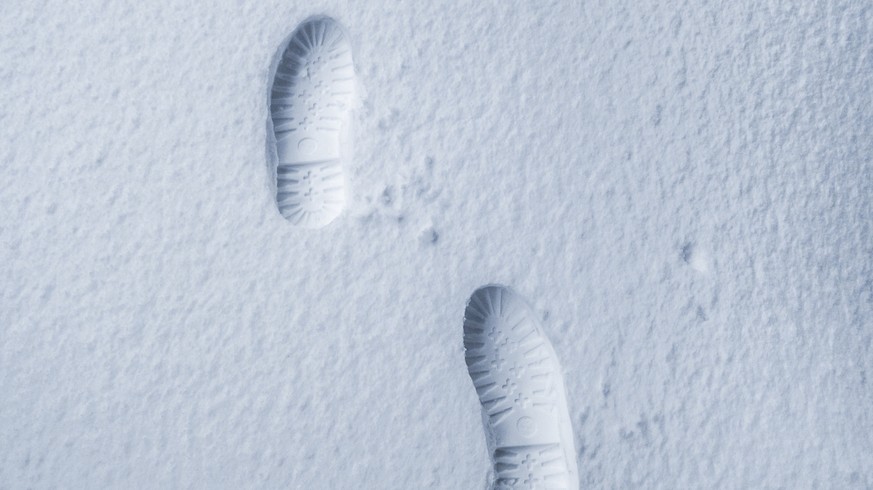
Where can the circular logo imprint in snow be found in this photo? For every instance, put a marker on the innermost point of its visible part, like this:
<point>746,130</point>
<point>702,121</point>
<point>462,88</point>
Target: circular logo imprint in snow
<point>307,146</point>
<point>526,426</point>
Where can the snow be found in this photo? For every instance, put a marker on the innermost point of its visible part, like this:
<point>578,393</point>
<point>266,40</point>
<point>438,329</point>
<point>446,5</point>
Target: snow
<point>682,190</point>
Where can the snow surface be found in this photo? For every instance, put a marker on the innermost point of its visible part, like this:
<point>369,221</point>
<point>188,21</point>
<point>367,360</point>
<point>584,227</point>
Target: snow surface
<point>683,190</point>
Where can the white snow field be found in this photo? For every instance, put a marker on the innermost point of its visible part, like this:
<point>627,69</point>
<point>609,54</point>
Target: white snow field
<point>682,190</point>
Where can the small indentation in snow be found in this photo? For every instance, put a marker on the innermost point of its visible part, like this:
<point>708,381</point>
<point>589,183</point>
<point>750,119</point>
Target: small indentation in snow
<point>696,258</point>
<point>429,236</point>
<point>47,294</point>
<point>656,117</point>
<point>388,195</point>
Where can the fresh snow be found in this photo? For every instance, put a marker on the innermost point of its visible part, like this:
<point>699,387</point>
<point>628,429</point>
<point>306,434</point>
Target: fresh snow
<point>683,191</point>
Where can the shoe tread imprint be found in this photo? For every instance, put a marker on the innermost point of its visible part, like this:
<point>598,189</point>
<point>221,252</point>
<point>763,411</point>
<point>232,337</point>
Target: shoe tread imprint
<point>517,378</point>
<point>310,104</point>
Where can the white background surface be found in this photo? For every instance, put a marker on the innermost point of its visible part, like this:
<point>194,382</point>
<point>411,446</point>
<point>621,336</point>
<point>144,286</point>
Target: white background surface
<point>682,190</point>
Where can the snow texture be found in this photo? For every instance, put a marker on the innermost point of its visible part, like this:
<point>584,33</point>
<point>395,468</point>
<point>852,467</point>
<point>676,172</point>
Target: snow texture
<point>682,189</point>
